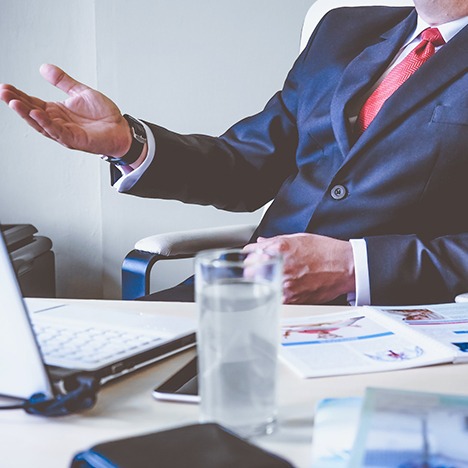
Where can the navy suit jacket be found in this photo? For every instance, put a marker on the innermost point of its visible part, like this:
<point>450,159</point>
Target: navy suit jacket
<point>403,185</point>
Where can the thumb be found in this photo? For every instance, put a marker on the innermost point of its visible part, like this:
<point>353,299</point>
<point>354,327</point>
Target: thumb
<point>57,77</point>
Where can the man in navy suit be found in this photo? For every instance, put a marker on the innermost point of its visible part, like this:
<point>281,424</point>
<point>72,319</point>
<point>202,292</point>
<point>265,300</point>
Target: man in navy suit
<point>379,211</point>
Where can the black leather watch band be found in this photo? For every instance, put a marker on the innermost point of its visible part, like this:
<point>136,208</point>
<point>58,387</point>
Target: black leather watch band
<point>138,141</point>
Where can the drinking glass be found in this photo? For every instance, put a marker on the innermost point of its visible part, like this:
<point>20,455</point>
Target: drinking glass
<point>238,296</point>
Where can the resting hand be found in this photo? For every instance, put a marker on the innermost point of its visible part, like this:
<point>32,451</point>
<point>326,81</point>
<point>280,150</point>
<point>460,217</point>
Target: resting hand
<point>86,121</point>
<point>317,269</point>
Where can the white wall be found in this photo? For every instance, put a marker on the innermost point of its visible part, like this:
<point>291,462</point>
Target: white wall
<point>192,66</point>
<point>42,183</point>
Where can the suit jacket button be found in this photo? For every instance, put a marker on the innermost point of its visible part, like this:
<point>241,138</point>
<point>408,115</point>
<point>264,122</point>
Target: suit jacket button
<point>338,192</point>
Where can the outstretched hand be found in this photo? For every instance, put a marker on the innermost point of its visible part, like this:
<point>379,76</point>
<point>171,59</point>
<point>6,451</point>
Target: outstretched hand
<point>317,269</point>
<point>87,120</point>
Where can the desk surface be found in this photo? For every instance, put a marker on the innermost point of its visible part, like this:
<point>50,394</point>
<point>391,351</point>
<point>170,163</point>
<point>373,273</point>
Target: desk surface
<point>126,407</point>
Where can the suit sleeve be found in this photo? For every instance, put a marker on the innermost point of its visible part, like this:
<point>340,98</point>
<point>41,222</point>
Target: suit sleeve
<point>405,269</point>
<point>239,171</point>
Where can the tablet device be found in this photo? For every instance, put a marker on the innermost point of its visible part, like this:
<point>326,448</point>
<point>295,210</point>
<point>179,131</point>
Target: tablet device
<point>181,386</point>
<point>197,446</point>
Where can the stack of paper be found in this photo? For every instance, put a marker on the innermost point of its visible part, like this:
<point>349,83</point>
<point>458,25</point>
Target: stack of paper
<point>392,428</point>
<point>365,339</point>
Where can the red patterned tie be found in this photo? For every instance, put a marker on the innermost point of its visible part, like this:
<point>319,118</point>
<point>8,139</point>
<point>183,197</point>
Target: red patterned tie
<point>430,39</point>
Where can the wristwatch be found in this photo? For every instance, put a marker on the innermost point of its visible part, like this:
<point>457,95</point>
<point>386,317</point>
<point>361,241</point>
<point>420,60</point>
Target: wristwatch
<point>138,141</point>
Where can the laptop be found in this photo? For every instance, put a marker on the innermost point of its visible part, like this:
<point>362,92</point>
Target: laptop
<point>45,344</point>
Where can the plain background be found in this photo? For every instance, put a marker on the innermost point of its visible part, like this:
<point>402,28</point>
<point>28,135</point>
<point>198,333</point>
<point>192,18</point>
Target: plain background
<point>191,66</point>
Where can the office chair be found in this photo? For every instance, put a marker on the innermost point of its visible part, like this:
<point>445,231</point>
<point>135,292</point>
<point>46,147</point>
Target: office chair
<point>137,265</point>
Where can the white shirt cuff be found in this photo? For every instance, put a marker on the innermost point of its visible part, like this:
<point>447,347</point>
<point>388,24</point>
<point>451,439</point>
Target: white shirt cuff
<point>128,180</point>
<point>361,272</point>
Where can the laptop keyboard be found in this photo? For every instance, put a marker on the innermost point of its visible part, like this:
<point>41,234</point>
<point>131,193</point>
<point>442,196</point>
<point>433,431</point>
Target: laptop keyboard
<point>80,346</point>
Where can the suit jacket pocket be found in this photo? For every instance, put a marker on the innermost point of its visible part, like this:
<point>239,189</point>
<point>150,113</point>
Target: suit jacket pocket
<point>450,115</point>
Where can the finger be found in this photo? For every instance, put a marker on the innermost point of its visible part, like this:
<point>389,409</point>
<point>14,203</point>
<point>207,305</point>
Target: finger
<point>250,248</point>
<point>270,246</point>
<point>19,107</point>
<point>6,92</point>
<point>258,250</point>
<point>23,112</point>
<point>9,93</point>
<point>61,80</point>
<point>10,90</point>
<point>287,296</point>
<point>22,109</point>
<point>258,241</point>
<point>269,242</point>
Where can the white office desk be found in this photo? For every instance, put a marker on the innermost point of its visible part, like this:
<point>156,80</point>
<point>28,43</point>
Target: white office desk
<point>126,407</point>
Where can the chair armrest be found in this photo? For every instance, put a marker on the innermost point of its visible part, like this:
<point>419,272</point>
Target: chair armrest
<point>462,297</point>
<point>188,243</point>
<point>137,265</point>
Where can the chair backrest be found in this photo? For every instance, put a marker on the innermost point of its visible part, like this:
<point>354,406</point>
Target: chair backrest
<point>321,7</point>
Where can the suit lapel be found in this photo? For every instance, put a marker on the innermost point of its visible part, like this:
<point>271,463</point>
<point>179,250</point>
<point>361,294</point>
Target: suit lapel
<point>361,72</point>
<point>448,63</point>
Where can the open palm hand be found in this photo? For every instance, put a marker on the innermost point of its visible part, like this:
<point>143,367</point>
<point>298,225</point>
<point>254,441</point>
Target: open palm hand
<point>87,120</point>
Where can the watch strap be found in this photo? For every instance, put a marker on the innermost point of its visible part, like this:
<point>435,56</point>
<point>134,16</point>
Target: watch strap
<point>138,141</point>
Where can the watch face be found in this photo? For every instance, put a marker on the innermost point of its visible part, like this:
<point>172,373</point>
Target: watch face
<point>141,138</point>
<point>138,131</point>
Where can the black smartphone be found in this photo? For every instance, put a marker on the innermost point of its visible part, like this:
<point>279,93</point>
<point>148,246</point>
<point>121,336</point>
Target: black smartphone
<point>181,386</point>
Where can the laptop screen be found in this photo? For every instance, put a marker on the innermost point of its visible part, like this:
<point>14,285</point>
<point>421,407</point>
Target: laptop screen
<point>22,371</point>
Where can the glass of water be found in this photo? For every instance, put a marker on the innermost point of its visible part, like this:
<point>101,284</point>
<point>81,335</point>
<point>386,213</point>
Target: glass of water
<point>238,296</point>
